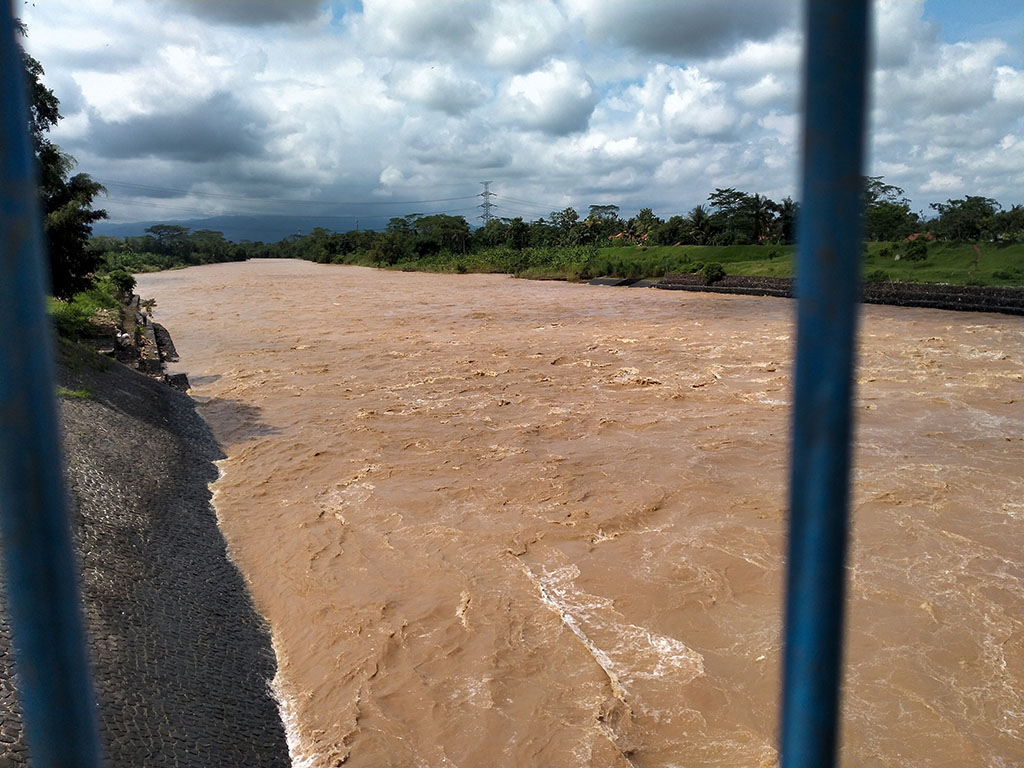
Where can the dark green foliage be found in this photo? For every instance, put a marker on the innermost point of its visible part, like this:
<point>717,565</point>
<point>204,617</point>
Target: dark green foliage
<point>123,283</point>
<point>712,273</point>
<point>518,234</point>
<point>74,319</point>
<point>390,248</point>
<point>916,250</point>
<point>877,276</point>
<point>967,220</point>
<point>66,200</point>
<point>1009,275</point>
<point>887,214</point>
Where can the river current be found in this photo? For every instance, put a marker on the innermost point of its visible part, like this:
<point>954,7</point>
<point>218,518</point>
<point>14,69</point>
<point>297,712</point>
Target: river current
<point>496,522</point>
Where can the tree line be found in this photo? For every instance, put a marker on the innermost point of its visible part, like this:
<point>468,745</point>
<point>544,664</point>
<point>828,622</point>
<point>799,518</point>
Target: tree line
<point>730,217</point>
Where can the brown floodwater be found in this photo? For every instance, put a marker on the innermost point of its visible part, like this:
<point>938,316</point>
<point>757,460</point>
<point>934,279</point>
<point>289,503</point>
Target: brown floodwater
<point>495,522</point>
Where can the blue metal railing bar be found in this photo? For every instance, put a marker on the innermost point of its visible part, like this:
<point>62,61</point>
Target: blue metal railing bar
<point>42,589</point>
<point>828,286</point>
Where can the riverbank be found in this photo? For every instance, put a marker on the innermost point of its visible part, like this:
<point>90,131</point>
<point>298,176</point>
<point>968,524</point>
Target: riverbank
<point>963,298</point>
<point>181,660</point>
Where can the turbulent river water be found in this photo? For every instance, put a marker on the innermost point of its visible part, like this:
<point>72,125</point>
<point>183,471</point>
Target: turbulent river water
<point>495,522</point>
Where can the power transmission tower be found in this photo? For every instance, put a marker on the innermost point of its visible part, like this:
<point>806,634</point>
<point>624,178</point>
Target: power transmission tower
<point>486,204</point>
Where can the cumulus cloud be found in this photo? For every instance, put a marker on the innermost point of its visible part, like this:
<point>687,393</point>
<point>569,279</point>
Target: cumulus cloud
<point>899,32</point>
<point>219,127</point>
<point>768,90</point>
<point>518,40</point>
<point>437,86</point>
<point>414,29</point>
<point>250,13</point>
<point>694,28</point>
<point>561,102</point>
<point>557,99</point>
<point>942,182</point>
<point>684,104</point>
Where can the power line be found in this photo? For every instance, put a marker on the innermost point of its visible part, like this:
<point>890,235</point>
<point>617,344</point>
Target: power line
<point>545,206</point>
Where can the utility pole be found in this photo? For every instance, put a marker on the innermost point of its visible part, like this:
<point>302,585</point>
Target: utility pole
<point>486,204</point>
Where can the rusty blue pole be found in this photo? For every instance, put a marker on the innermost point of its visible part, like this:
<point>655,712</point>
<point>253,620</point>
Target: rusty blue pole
<point>42,588</point>
<point>828,289</point>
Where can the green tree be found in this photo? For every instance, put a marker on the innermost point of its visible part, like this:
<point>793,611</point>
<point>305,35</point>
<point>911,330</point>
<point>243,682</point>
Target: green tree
<point>887,214</point>
<point>728,219</point>
<point>518,234</point>
<point>66,200</point>
<point>644,224</point>
<point>675,230</point>
<point>1008,226</point>
<point>565,219</point>
<point>700,225</point>
<point>601,223</point>
<point>169,239</point>
<point>786,223</point>
<point>967,219</point>
<point>390,248</point>
<point>604,212</point>
<point>441,231</point>
<point>492,234</point>
<point>759,216</point>
<point>543,234</point>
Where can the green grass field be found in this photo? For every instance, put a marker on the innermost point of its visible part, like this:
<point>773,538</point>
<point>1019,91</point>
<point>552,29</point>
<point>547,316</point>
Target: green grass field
<point>960,264</point>
<point>952,263</point>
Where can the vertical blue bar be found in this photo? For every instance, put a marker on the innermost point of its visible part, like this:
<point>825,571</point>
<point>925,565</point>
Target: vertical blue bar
<point>828,288</point>
<point>42,590</point>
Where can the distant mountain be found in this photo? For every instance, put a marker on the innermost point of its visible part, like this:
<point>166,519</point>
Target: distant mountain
<point>268,229</point>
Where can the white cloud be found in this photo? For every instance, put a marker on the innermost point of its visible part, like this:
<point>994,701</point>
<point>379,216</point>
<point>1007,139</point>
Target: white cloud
<point>638,103</point>
<point>942,182</point>
<point>694,28</point>
<point>414,29</point>
<point>768,90</point>
<point>786,127</point>
<point>437,86</point>
<point>557,99</point>
<point>517,36</point>
<point>899,31</point>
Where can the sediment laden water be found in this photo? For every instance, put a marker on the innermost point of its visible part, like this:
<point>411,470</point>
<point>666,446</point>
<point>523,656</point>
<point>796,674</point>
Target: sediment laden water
<point>495,522</point>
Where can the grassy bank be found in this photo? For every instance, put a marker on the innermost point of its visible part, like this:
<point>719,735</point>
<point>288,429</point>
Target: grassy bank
<point>987,264</point>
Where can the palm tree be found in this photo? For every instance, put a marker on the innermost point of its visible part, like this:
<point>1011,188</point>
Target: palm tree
<point>761,214</point>
<point>699,222</point>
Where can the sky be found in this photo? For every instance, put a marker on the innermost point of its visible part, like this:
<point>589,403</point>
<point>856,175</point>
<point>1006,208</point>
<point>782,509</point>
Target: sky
<point>358,111</point>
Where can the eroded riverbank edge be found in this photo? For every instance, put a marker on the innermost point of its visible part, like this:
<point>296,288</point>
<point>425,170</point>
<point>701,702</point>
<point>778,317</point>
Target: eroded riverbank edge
<point>182,662</point>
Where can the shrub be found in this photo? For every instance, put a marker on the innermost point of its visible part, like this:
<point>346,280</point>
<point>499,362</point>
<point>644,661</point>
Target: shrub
<point>877,276</point>
<point>123,283</point>
<point>74,318</point>
<point>712,273</point>
<point>916,250</point>
<point>1008,274</point>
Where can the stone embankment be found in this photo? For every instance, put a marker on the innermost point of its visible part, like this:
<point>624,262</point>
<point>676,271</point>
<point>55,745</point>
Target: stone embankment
<point>970,298</point>
<point>181,661</point>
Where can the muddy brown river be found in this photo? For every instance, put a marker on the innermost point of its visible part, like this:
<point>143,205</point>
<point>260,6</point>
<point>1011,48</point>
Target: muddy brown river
<point>495,522</point>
